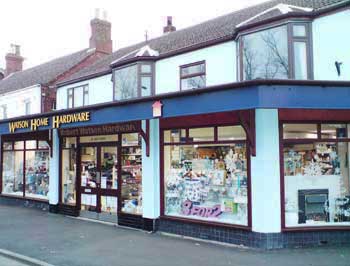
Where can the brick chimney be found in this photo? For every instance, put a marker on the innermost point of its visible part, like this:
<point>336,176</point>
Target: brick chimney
<point>14,60</point>
<point>101,33</point>
<point>169,25</point>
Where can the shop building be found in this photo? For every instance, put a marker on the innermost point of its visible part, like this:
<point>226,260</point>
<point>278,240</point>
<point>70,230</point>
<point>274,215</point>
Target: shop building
<point>238,135</point>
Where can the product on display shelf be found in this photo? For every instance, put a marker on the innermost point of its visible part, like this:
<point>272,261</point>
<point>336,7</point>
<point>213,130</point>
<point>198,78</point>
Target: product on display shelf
<point>208,187</point>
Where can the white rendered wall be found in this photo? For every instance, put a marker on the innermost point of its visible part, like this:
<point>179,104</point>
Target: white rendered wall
<point>14,101</point>
<point>54,169</point>
<point>265,173</point>
<point>220,67</point>
<point>100,91</point>
<point>331,41</point>
<point>150,173</point>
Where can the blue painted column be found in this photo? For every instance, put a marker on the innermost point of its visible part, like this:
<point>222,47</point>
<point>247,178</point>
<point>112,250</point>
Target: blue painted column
<point>151,173</point>
<point>54,169</point>
<point>265,173</point>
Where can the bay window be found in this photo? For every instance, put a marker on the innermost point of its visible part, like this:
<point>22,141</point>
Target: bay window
<point>316,175</point>
<point>133,81</point>
<point>281,52</point>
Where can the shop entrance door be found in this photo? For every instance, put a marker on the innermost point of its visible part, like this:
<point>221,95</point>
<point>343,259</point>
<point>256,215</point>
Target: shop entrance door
<point>99,167</point>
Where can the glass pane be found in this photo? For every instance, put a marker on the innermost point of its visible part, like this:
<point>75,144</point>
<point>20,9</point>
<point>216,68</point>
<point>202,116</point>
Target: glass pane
<point>88,202</point>
<point>109,204</point>
<point>265,54</point>
<point>70,101</point>
<point>231,133</point>
<point>30,144</point>
<point>131,180</point>
<point>109,168</point>
<point>12,173</point>
<point>69,142</point>
<point>317,190</point>
<point>99,138</point>
<point>190,70</point>
<point>131,139</point>
<point>78,96</point>
<point>146,86</point>
<point>174,135</point>
<point>19,145</point>
<point>7,146</point>
<point>146,68</point>
<point>89,167</point>
<point>299,31</point>
<point>86,96</point>
<point>69,168</point>
<point>300,60</point>
<point>42,144</point>
<point>193,83</point>
<point>37,174</point>
<point>201,134</point>
<point>207,182</point>
<point>299,131</point>
<point>125,83</point>
<point>334,131</point>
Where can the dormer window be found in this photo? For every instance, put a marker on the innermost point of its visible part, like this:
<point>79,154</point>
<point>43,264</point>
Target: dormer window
<point>281,52</point>
<point>134,81</point>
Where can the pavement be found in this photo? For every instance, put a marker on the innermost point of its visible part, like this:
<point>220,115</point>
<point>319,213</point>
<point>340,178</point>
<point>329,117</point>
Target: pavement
<point>10,262</point>
<point>65,241</point>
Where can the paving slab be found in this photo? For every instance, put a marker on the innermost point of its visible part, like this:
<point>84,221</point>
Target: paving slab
<point>64,241</point>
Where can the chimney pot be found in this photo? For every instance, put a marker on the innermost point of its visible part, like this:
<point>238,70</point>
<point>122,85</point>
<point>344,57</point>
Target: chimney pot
<point>169,26</point>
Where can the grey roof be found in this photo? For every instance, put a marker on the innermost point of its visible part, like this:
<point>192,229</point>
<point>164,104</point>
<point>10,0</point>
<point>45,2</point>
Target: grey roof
<point>44,73</point>
<point>205,32</point>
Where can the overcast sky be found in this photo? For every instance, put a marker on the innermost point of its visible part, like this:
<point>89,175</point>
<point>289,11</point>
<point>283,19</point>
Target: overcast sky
<point>49,29</point>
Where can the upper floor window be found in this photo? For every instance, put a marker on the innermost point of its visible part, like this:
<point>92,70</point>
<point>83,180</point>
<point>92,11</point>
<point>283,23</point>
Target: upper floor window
<point>78,96</point>
<point>281,52</point>
<point>192,76</point>
<point>27,107</point>
<point>133,81</point>
<point>3,110</point>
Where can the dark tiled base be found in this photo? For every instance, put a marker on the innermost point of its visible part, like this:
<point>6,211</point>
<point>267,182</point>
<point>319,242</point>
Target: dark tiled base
<point>253,239</point>
<point>44,206</point>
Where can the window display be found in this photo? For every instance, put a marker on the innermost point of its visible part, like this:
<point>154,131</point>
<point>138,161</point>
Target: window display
<point>69,170</point>
<point>206,181</point>
<point>37,174</point>
<point>317,180</point>
<point>31,181</point>
<point>131,180</point>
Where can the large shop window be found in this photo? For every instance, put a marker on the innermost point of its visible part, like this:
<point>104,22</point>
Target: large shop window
<point>26,169</point>
<point>316,174</point>
<point>131,163</point>
<point>281,52</point>
<point>69,170</point>
<point>205,174</point>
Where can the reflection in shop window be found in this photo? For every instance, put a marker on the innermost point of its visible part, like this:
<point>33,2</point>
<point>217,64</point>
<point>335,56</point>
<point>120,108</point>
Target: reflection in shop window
<point>334,131</point>
<point>69,170</point>
<point>201,134</point>
<point>317,182</point>
<point>174,135</point>
<point>231,133</point>
<point>207,182</point>
<point>299,131</point>
<point>12,173</point>
<point>131,139</point>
